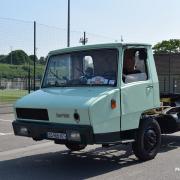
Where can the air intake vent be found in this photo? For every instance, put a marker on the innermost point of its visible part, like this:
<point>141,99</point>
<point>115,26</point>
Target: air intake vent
<point>34,114</point>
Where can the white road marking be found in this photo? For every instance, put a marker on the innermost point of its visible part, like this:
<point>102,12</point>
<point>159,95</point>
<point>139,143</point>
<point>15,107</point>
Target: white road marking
<point>5,134</point>
<point>3,120</point>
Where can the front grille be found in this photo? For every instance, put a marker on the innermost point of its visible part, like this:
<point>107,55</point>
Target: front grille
<point>34,114</point>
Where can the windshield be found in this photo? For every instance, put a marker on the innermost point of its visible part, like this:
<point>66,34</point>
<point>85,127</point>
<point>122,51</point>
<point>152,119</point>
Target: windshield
<point>82,68</point>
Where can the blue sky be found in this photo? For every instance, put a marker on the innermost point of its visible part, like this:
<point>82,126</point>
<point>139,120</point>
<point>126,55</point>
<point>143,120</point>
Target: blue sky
<point>147,21</point>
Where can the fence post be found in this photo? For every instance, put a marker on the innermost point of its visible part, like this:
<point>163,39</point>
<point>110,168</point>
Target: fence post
<point>34,55</point>
<point>68,25</point>
<point>29,78</point>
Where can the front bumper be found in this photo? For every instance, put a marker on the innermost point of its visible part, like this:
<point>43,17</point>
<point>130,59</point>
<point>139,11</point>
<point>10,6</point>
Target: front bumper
<point>39,130</point>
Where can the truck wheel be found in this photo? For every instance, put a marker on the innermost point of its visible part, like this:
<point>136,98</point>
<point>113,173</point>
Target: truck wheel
<point>148,139</point>
<point>75,147</point>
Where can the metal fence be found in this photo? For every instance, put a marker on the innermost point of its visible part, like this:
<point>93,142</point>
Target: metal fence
<point>16,81</point>
<point>33,40</point>
<point>18,34</point>
<point>13,89</point>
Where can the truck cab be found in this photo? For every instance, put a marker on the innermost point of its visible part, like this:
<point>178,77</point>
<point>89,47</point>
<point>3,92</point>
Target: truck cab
<point>95,94</point>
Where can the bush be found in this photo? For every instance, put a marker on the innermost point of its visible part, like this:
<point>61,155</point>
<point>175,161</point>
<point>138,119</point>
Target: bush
<point>20,71</point>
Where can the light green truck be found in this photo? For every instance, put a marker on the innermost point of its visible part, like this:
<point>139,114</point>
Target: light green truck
<point>98,94</point>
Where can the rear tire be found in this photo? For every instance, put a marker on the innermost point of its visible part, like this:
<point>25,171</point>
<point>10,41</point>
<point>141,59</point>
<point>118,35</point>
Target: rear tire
<point>75,147</point>
<point>148,139</point>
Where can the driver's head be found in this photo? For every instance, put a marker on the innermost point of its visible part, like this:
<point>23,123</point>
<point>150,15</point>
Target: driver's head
<point>129,60</point>
<point>89,71</point>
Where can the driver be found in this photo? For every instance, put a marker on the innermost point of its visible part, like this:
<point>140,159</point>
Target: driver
<point>129,62</point>
<point>89,72</point>
<point>130,73</point>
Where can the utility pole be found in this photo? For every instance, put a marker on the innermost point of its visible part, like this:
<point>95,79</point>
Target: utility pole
<point>83,40</point>
<point>68,25</point>
<point>34,55</point>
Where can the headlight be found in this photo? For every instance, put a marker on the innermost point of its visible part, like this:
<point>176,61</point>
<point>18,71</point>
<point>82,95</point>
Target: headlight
<point>73,136</point>
<point>23,131</point>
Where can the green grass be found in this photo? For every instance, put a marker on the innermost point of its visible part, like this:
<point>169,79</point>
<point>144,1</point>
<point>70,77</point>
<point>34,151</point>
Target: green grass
<point>11,95</point>
<point>19,71</point>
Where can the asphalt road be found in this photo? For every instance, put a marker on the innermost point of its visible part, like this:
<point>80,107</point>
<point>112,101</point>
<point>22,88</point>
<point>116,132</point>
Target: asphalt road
<point>22,158</point>
<point>6,108</point>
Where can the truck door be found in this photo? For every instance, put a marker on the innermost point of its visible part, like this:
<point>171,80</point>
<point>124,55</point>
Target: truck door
<point>136,87</point>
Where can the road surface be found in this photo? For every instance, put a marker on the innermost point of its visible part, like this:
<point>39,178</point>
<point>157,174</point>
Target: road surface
<point>23,159</point>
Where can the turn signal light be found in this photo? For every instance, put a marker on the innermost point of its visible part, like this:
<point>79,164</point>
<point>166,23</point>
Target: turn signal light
<point>113,104</point>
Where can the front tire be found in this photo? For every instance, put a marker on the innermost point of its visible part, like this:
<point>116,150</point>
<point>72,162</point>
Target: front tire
<point>75,147</point>
<point>148,139</point>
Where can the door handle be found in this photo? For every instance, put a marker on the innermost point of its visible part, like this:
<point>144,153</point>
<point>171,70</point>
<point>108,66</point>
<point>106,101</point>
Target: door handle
<point>150,86</point>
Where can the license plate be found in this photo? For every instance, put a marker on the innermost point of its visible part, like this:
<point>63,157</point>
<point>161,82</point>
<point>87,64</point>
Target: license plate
<point>53,135</point>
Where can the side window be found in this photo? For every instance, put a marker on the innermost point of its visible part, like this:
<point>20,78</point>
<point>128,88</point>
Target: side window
<point>88,66</point>
<point>135,65</point>
<point>87,62</point>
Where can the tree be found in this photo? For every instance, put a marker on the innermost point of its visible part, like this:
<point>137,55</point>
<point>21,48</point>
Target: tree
<point>32,58</point>
<point>2,57</point>
<point>16,57</point>
<point>42,60</point>
<point>167,46</point>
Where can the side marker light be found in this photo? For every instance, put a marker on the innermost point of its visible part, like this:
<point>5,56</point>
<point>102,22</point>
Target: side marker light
<point>113,104</point>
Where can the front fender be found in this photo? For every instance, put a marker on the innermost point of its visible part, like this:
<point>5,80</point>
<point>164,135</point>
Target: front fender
<point>103,118</point>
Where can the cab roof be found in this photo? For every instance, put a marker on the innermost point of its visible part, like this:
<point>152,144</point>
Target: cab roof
<point>94,46</point>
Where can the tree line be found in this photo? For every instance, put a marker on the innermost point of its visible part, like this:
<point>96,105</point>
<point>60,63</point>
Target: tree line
<point>19,57</point>
<point>167,46</point>
<point>17,65</point>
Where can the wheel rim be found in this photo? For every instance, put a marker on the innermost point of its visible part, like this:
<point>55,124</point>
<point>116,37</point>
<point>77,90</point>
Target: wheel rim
<point>150,139</point>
